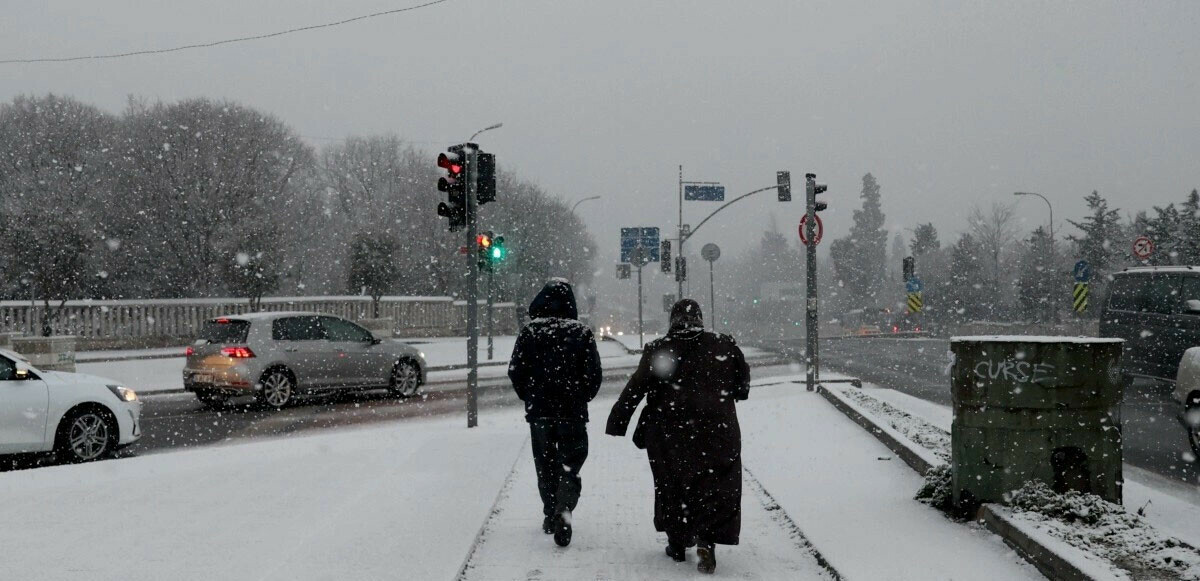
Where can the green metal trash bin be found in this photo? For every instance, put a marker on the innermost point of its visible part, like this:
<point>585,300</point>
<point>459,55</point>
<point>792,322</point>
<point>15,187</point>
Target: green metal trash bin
<point>1035,408</point>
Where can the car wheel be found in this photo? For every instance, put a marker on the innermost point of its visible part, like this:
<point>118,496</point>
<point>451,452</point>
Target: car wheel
<point>212,400</point>
<point>1191,423</point>
<point>406,379</point>
<point>278,389</point>
<point>85,435</point>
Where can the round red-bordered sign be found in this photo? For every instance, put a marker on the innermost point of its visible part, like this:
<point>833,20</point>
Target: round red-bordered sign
<point>1143,247</point>
<point>819,230</point>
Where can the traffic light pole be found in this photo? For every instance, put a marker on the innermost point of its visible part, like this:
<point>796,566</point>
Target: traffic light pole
<point>641,336</point>
<point>472,291</point>
<point>490,301</point>
<point>678,279</point>
<point>813,369</point>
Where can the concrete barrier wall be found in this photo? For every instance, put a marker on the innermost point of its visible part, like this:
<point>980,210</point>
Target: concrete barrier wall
<point>117,324</point>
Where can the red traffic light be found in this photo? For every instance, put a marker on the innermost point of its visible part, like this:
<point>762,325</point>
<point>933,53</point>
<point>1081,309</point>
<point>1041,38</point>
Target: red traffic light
<point>452,162</point>
<point>483,240</point>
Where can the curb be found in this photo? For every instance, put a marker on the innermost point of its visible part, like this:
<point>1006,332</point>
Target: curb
<point>902,448</point>
<point>1051,564</point>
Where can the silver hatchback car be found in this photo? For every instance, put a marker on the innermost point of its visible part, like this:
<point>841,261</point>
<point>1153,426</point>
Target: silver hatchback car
<point>276,356</point>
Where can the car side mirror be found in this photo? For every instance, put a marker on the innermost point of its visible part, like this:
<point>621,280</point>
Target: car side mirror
<point>22,371</point>
<point>1192,306</point>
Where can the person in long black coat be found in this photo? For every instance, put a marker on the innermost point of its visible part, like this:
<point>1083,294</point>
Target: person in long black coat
<point>555,370</point>
<point>689,428</point>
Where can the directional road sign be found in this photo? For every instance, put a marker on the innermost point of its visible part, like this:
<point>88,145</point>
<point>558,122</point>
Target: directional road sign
<point>1080,297</point>
<point>914,285</point>
<point>704,192</point>
<point>1082,271</point>
<point>645,237</point>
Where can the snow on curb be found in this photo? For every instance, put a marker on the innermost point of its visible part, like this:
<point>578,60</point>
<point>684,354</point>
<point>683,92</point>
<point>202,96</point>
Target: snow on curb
<point>1060,549</point>
<point>918,457</point>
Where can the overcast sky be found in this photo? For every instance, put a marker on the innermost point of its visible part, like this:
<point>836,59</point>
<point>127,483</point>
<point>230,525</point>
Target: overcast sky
<point>947,103</point>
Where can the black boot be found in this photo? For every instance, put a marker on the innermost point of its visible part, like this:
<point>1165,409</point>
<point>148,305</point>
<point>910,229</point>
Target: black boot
<point>562,528</point>
<point>548,525</point>
<point>676,552</point>
<point>707,555</point>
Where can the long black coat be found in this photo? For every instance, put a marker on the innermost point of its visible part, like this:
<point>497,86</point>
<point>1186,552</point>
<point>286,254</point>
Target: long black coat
<point>689,428</point>
<point>555,367</point>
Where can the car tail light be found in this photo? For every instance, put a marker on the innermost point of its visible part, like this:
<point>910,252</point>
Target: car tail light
<point>190,351</point>
<point>918,329</point>
<point>895,328</point>
<point>237,352</point>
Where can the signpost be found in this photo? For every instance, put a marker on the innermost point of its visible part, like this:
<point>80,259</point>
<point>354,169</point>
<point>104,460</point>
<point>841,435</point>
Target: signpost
<point>1143,247</point>
<point>640,257</point>
<point>820,230</point>
<point>1083,276</point>
<point>711,252</point>
<point>915,300</point>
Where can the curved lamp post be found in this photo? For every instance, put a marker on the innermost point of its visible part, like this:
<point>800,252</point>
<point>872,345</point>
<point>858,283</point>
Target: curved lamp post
<point>582,201</point>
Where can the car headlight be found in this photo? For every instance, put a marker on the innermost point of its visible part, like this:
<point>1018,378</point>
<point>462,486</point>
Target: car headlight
<point>123,393</point>
<point>421,354</point>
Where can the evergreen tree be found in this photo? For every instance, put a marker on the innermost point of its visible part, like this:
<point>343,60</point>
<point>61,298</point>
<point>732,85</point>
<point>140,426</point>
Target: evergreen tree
<point>1164,231</point>
<point>962,293</point>
<point>925,239</point>
<point>1101,230</point>
<point>860,257</point>
<point>1189,230</point>
<point>1037,287</point>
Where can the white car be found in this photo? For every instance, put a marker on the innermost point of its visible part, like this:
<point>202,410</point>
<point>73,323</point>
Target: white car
<point>79,417</point>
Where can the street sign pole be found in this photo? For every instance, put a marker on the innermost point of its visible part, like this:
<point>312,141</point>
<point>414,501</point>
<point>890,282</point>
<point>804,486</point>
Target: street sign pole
<point>472,292</point>
<point>641,333</point>
<point>812,371</point>
<point>679,281</point>
<point>712,297</point>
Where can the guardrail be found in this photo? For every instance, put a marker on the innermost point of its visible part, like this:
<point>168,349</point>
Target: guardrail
<point>151,321</point>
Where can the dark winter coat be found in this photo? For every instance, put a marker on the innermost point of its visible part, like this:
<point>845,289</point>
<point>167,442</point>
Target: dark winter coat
<point>689,428</point>
<point>555,367</point>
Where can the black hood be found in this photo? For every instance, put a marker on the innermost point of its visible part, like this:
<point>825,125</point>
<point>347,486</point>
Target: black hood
<point>556,300</point>
<point>686,316</point>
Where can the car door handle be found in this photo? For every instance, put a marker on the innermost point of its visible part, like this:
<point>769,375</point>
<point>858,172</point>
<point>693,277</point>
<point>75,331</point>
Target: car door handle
<point>291,349</point>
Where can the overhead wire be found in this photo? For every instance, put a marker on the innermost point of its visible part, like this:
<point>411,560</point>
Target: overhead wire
<point>220,42</point>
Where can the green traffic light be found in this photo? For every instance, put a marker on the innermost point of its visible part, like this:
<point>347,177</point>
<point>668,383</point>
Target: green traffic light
<point>497,253</point>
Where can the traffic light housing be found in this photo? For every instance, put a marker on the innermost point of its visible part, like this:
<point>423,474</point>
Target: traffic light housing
<point>490,249</point>
<point>498,251</point>
<point>784,179</point>
<point>910,267</point>
<point>485,186</point>
<point>664,255</point>
<point>680,268</point>
<point>454,183</point>
<point>812,189</point>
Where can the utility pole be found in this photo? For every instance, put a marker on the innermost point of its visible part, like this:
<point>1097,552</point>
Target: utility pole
<point>472,291</point>
<point>679,251</point>
<point>640,257</point>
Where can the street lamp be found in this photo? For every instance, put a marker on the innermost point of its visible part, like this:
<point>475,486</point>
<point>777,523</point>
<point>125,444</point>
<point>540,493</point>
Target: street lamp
<point>488,128</point>
<point>582,201</point>
<point>1051,214</point>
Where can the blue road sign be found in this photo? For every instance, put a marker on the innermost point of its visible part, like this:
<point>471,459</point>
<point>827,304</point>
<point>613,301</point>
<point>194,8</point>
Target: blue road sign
<point>1082,271</point>
<point>645,237</point>
<point>914,285</point>
<point>704,193</point>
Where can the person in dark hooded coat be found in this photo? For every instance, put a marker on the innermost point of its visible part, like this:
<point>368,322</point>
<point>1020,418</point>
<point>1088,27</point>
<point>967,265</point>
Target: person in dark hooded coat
<point>555,370</point>
<point>690,379</point>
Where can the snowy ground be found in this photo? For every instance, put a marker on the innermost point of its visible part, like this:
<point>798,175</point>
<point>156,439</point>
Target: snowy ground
<point>407,501</point>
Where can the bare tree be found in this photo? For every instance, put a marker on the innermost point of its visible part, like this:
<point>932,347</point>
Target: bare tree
<point>994,231</point>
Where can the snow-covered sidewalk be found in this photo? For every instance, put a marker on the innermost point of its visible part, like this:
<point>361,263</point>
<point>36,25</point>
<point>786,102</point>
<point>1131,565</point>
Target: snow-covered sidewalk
<point>614,535</point>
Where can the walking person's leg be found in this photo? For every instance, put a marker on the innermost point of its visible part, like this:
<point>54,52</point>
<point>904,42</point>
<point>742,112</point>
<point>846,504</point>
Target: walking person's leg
<point>572,442</point>
<point>549,468</point>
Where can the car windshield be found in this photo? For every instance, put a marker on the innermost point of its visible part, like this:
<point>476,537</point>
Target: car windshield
<point>582,290</point>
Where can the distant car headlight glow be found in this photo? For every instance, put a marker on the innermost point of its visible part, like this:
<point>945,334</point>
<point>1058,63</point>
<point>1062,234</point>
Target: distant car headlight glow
<point>123,393</point>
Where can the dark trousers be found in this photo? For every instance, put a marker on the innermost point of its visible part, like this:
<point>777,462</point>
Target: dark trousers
<point>559,450</point>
